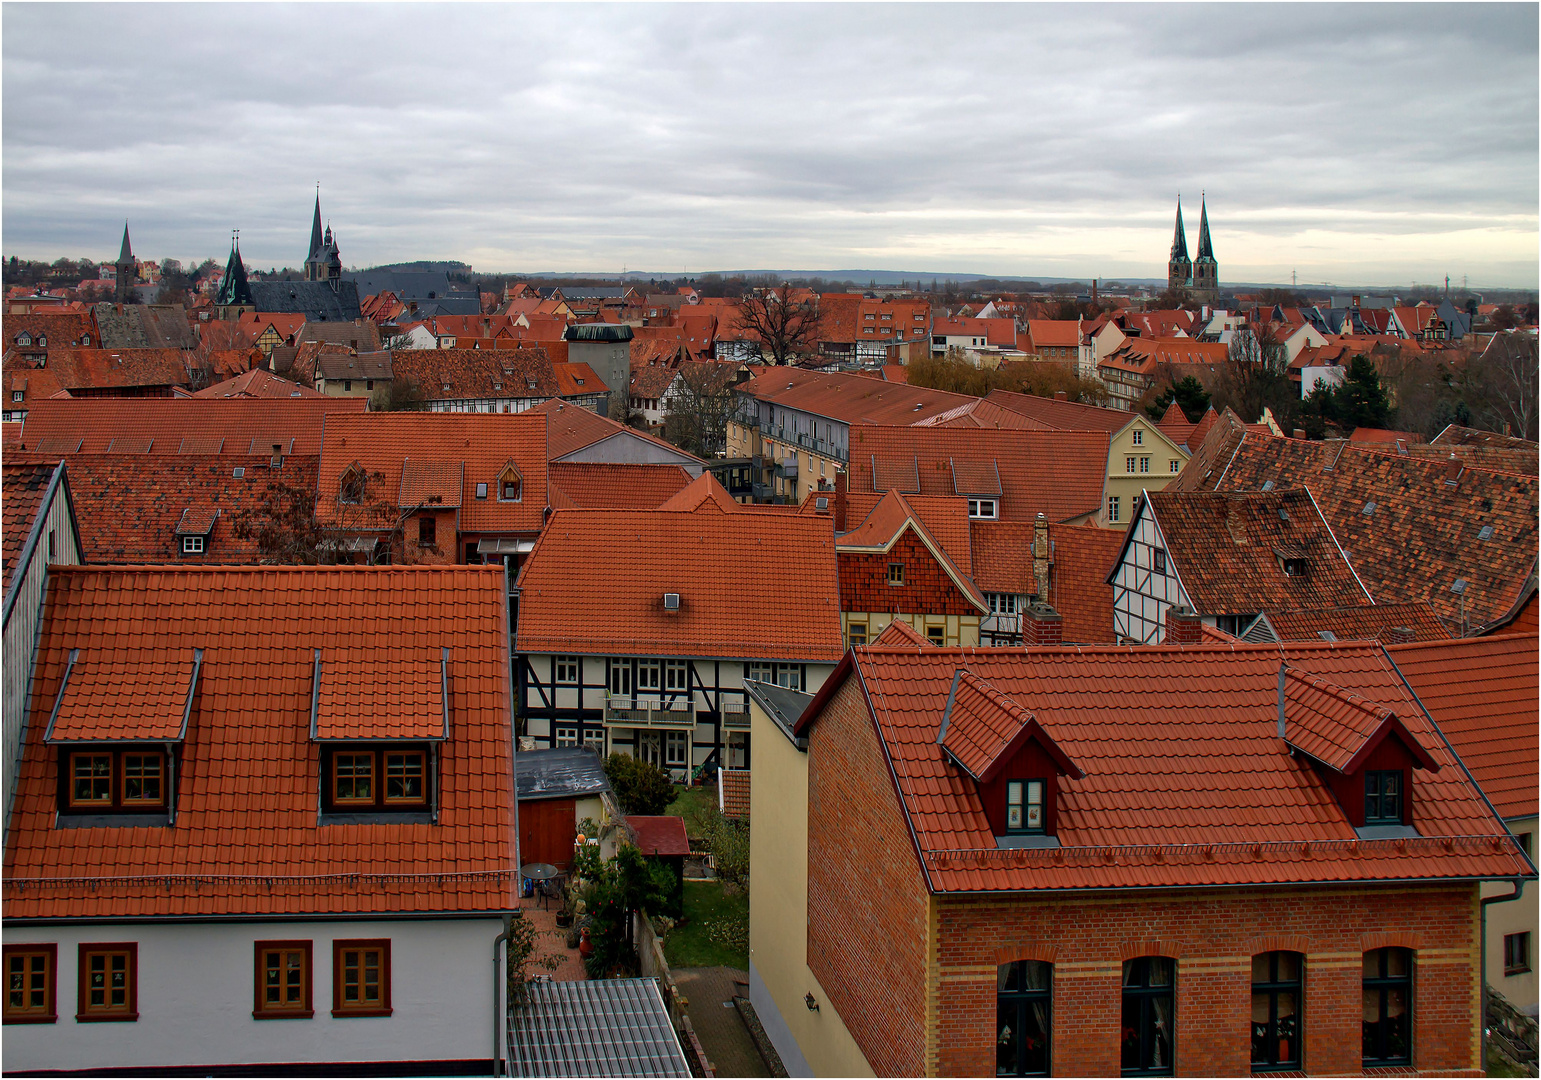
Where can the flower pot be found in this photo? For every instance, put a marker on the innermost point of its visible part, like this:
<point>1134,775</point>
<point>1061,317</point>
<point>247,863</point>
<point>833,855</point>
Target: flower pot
<point>564,918</point>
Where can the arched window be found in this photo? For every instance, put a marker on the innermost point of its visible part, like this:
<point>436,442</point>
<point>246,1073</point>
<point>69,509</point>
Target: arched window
<point>1277,980</point>
<point>1388,1007</point>
<point>85,339</point>
<point>1023,992</point>
<point>1149,1016</point>
<point>510,485</point>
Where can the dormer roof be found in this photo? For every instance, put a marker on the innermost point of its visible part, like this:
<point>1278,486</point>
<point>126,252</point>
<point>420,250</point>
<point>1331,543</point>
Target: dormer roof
<point>982,730</point>
<point>1340,728</point>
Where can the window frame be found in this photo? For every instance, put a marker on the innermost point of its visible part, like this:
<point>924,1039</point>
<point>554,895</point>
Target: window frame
<point>340,1009</point>
<point>1137,437</point>
<point>305,1009</point>
<point>564,735</point>
<point>853,631</point>
<point>1273,987</point>
<point>510,476</point>
<point>896,574</point>
<point>1145,994</point>
<point>983,509</point>
<point>129,1012</point>
<point>1517,964</point>
<point>427,531</point>
<point>567,671</point>
<point>115,802</point>
<point>48,1012</point>
<point>1385,984</point>
<point>378,802</point>
<point>676,676</point>
<point>192,545</point>
<point>676,749</point>
<point>648,678</point>
<point>1378,777</point>
<point>1023,1000</point>
<point>1025,803</point>
<point>1113,507</point>
<point>1158,561</point>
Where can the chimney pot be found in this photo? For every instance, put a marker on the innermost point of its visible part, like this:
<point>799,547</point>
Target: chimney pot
<point>1396,635</point>
<point>1183,626</point>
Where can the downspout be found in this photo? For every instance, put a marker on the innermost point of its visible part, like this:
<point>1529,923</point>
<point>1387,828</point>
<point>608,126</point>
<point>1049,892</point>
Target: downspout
<point>1519,889</point>
<point>498,1019</point>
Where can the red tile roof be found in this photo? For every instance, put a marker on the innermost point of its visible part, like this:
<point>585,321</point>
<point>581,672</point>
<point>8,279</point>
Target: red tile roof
<point>60,328</point>
<point>1373,436</point>
<point>1372,623</point>
<point>900,634</point>
<point>124,694</point>
<point>733,793</point>
<point>1080,558</point>
<point>1226,550</point>
<point>752,585</point>
<point>1185,780</point>
<point>1057,473</point>
<point>1058,333</point>
<point>257,383</point>
<point>456,374</point>
<point>1340,728</point>
<point>893,516</point>
<point>107,369</point>
<point>246,839</point>
<point>572,428</point>
<point>231,425</point>
<point>982,730</point>
<point>1174,424</point>
<point>1482,692</point>
<point>1063,415</point>
<point>10,435</point>
<point>584,486</point>
<point>358,697</point>
<point>22,488</point>
<point>575,380</point>
<point>660,835</point>
<point>420,455</point>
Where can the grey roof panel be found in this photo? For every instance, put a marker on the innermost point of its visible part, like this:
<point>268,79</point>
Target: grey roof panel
<point>613,1027</point>
<point>313,299</point>
<point>562,773</point>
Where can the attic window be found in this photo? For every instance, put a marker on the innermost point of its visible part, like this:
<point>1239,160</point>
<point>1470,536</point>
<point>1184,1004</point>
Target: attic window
<point>1327,635</point>
<point>481,491</point>
<point>1294,566</point>
<point>24,338</point>
<point>1369,508</point>
<point>192,545</point>
<point>1458,586</point>
<point>1024,806</point>
<point>42,340</point>
<point>982,508</point>
<point>352,488</point>
<point>1486,533</point>
<point>510,485</point>
<point>1267,485</point>
<point>238,472</point>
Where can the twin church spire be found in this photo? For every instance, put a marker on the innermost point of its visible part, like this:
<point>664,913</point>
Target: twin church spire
<point>1199,276</point>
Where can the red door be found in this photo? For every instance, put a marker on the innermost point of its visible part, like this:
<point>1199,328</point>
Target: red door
<point>546,832</point>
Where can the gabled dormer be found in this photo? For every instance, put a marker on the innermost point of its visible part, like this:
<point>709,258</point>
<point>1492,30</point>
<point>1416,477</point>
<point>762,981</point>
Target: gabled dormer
<point>1361,749</point>
<point>510,484</point>
<point>351,488</point>
<point>1012,760</point>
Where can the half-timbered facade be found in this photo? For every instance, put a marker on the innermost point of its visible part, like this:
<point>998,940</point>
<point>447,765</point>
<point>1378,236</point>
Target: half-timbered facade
<point>689,601</point>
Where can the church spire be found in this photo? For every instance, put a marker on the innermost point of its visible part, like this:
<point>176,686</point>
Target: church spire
<point>1179,238</point>
<point>127,252</point>
<point>233,289</point>
<point>1205,251</point>
<point>315,227</point>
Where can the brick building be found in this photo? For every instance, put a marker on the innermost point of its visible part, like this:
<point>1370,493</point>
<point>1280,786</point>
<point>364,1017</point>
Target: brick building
<point>1152,861</point>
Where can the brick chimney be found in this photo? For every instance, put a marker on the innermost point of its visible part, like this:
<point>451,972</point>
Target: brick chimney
<point>1060,395</point>
<point>1298,433</point>
<point>1041,625</point>
<point>1396,635</point>
<point>1183,626</point>
<point>1041,558</point>
<point>839,503</point>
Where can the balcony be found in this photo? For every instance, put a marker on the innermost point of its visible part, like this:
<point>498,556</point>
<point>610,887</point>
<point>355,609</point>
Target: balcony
<point>735,715</point>
<point>650,712</point>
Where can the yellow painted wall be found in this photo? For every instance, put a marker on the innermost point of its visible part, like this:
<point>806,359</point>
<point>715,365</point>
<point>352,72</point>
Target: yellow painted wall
<point>960,629</point>
<point>778,901</point>
<point>1127,485</point>
<point>1514,917</point>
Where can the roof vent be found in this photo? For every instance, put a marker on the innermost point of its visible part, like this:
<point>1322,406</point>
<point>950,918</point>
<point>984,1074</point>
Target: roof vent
<point>671,601</point>
<point>1369,508</point>
<point>1486,533</point>
<point>1458,586</point>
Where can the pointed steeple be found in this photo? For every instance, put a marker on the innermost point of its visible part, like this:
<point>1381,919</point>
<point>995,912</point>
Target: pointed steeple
<point>233,289</point>
<point>1205,251</point>
<point>1179,238</point>
<point>315,227</point>
<point>127,252</point>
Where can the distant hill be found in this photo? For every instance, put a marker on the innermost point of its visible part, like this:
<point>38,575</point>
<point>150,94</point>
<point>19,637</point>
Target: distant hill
<point>425,266</point>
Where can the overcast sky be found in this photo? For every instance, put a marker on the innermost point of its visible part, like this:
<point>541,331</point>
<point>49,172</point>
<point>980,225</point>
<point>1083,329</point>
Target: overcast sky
<point>1373,144</point>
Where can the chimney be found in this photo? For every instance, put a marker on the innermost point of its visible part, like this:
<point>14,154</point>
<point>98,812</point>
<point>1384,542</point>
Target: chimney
<point>1060,395</point>
<point>1298,433</point>
<point>1041,625</point>
<point>1041,557</point>
<point>1396,635</point>
<point>1183,626</point>
<point>840,482</point>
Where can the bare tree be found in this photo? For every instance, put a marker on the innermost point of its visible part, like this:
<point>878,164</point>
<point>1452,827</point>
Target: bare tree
<point>289,531</point>
<point>1504,379</point>
<point>700,404</point>
<point>787,325</point>
<point>1255,376</point>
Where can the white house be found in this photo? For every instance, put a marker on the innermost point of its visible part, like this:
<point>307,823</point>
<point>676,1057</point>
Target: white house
<point>265,823</point>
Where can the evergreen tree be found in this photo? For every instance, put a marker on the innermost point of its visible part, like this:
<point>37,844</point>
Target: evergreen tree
<point>1360,400</point>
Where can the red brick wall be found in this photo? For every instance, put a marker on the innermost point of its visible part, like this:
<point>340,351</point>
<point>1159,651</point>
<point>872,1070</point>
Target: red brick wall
<point>1213,936</point>
<point>927,590</point>
<point>866,898</point>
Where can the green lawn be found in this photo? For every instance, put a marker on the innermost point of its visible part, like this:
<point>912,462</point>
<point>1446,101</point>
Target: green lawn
<point>688,799</point>
<point>717,931</point>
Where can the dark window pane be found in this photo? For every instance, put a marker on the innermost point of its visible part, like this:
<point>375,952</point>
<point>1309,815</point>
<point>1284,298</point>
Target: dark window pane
<point>1130,1050</point>
<point>1007,1038</point>
<point>1289,967</point>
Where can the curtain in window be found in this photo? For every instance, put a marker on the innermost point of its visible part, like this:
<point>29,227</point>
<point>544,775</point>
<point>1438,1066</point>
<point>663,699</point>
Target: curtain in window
<point>1161,1045</point>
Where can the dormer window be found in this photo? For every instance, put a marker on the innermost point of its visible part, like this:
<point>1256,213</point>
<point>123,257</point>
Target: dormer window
<point>85,339</point>
<point>371,779</point>
<point>510,485</point>
<point>42,341</point>
<point>1024,806</point>
<point>1383,797</point>
<point>192,545</point>
<point>114,780</point>
<point>984,509</point>
<point>352,487</point>
<point>24,338</point>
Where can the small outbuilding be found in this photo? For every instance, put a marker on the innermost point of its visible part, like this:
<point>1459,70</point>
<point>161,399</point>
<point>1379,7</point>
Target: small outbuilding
<point>664,840</point>
<point>556,789</point>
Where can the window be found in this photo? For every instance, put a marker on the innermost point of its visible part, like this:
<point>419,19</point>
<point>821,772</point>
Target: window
<point>896,573</point>
<point>1516,953</point>
<point>370,779</point>
<point>1147,1028</point>
<point>936,635</point>
<point>1137,437</point>
<point>352,487</point>
<point>361,978</point>
<point>567,668</point>
<point>192,545</point>
<point>1276,1012</point>
<point>30,983</point>
<point>856,634</point>
<point>24,338</point>
<point>115,781</point>
<point>787,675</point>
<point>1112,507</point>
<point>1022,1018</point>
<point>108,982</point>
<point>283,981</point>
<point>1158,560</point>
<point>1294,567</point>
<point>481,491</point>
<point>620,677</point>
<point>510,485</point>
<point>676,748</point>
<point>1145,464</point>
<point>981,508</point>
<point>85,339</point>
<point>16,395</point>
<point>1388,993</point>
<point>347,385</point>
<point>1172,465</point>
<point>1524,839</point>
<point>566,735</point>
<point>676,675</point>
<point>42,340</point>
<point>1128,464</point>
<point>1024,806</point>
<point>647,675</point>
<point>1383,797</point>
<point>1002,603</point>
<point>425,531</point>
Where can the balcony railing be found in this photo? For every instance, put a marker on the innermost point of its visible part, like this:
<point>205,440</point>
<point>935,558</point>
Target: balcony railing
<point>735,715</point>
<point>650,712</point>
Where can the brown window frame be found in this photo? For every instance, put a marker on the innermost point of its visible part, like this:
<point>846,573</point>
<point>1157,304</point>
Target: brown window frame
<point>261,1010</point>
<point>379,800</point>
<point>896,579</point>
<point>85,1013</point>
<point>427,531</point>
<point>507,477</point>
<point>383,1006</point>
<point>117,781</point>
<point>48,1013</point>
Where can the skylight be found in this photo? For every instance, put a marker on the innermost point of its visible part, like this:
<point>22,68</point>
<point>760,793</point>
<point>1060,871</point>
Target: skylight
<point>1459,586</point>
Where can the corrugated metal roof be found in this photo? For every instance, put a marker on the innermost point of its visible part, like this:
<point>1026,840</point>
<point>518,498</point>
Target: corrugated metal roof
<point>614,1027</point>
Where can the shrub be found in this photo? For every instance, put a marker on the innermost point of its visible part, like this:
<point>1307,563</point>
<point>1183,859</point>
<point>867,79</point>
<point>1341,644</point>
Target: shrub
<point>640,786</point>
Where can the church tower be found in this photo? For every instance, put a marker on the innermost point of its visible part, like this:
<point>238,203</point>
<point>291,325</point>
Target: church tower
<point>1206,271</point>
<point>324,263</point>
<point>127,267</point>
<point>1179,268</point>
<point>234,295</point>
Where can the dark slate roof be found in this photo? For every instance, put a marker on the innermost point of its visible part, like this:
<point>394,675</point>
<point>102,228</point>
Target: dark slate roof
<point>409,285</point>
<point>782,705</point>
<point>313,299</point>
<point>451,305</point>
<point>610,293</point>
<point>598,332</point>
<point>562,773</point>
<point>141,326</point>
<point>611,1027</point>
